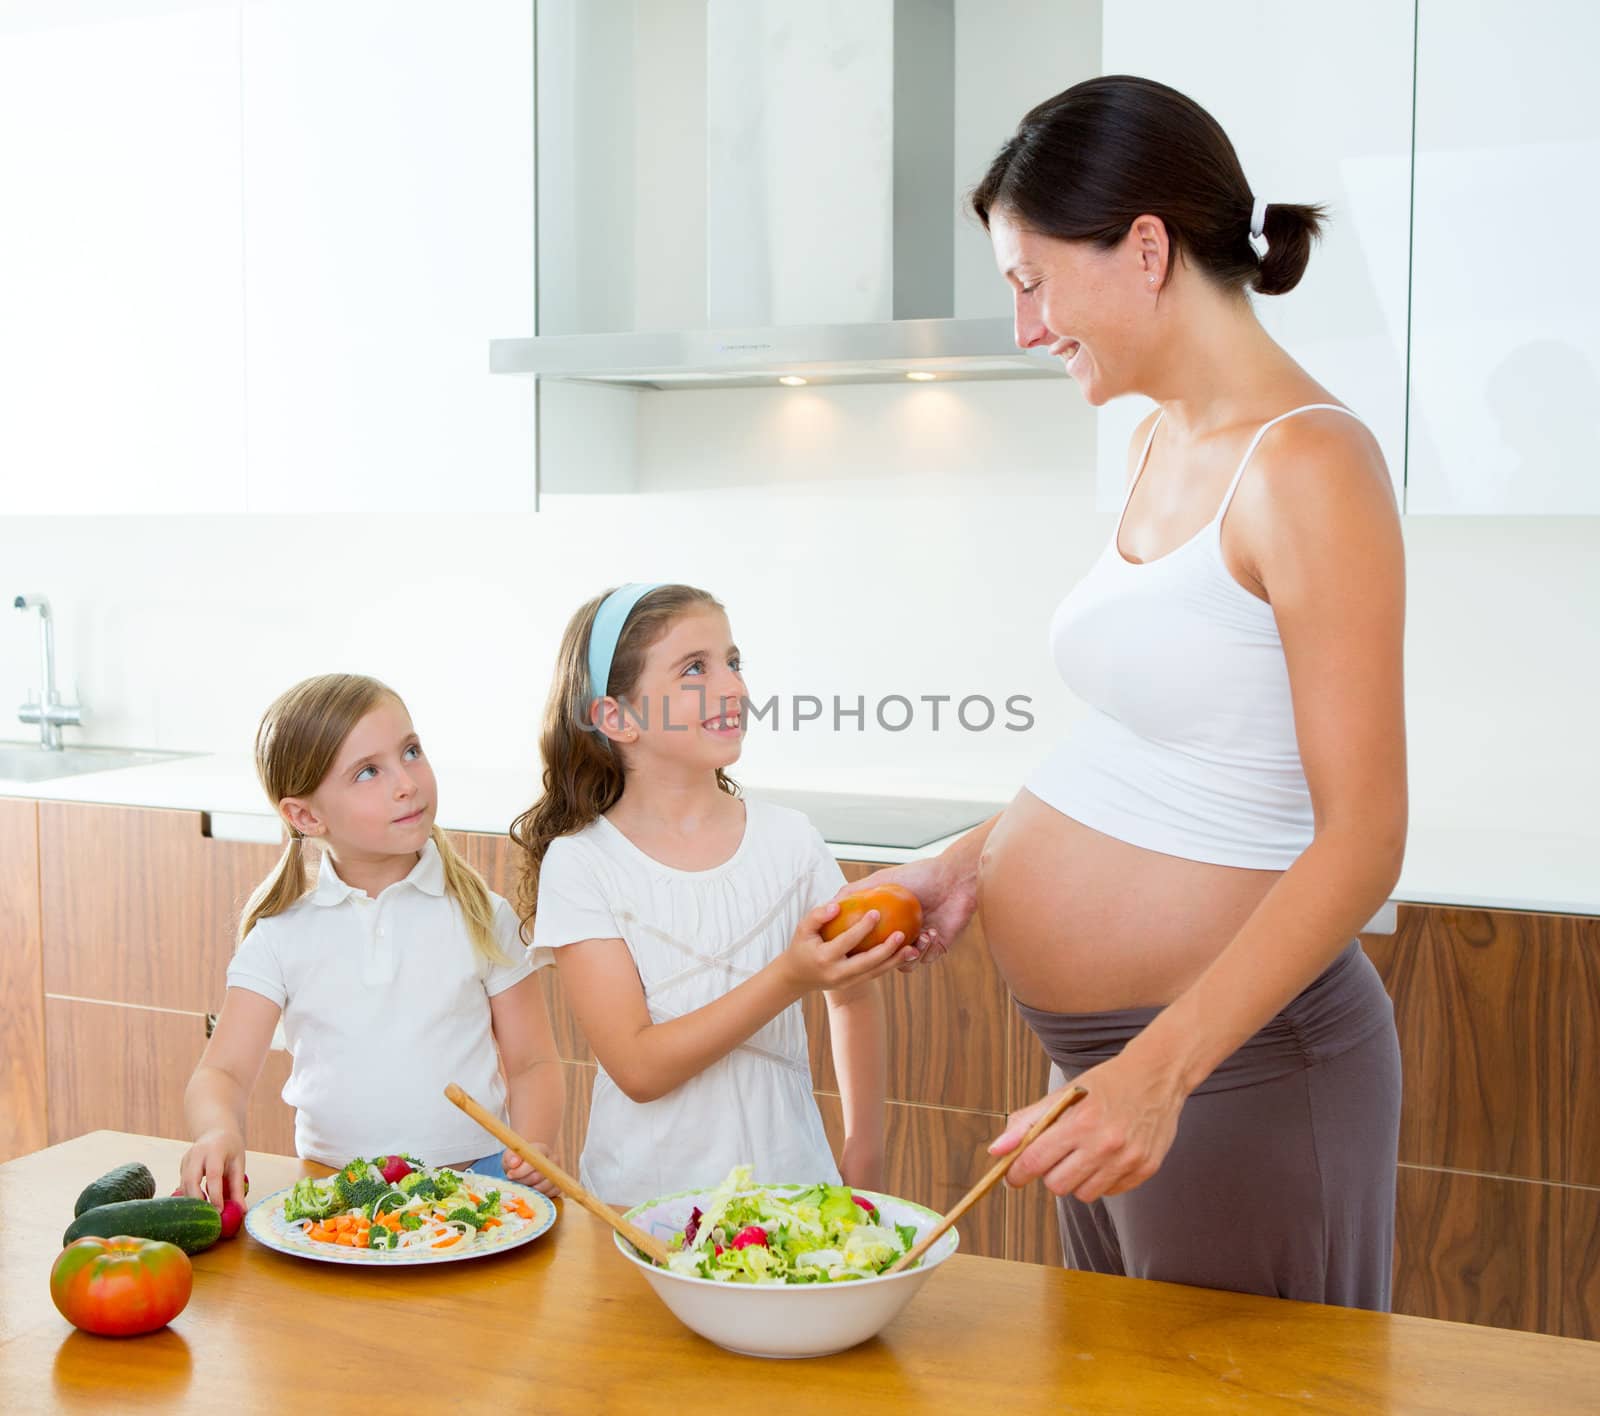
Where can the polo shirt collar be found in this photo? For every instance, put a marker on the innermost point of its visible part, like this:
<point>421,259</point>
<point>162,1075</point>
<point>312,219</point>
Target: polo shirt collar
<point>426,875</point>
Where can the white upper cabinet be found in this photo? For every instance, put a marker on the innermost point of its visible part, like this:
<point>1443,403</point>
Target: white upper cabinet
<point>121,346</point>
<point>1505,314</point>
<point>1317,101</point>
<point>388,219</point>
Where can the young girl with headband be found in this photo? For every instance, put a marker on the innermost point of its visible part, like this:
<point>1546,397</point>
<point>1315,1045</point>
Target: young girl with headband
<point>686,919</point>
<point>395,974</point>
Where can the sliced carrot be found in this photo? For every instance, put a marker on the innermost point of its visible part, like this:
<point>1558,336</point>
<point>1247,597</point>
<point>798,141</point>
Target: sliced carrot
<point>491,1224</point>
<point>348,1239</point>
<point>343,1222</point>
<point>446,1243</point>
<point>476,1199</point>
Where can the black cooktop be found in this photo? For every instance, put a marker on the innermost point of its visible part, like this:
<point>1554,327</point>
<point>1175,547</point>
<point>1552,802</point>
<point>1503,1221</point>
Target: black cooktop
<point>905,822</point>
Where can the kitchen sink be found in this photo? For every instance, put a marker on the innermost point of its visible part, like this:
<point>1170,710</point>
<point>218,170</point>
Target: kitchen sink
<point>20,762</point>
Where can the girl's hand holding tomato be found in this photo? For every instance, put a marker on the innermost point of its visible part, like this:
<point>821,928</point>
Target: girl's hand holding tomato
<point>121,1287</point>
<point>947,903</point>
<point>897,908</point>
<point>814,961</point>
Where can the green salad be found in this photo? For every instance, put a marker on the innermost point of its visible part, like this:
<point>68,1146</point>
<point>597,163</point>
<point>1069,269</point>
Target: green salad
<point>748,1233</point>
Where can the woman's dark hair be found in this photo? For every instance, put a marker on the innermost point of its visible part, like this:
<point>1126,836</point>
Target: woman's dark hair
<point>1084,165</point>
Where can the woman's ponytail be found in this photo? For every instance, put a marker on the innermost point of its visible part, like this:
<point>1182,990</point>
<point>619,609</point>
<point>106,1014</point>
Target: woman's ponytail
<point>1289,229</point>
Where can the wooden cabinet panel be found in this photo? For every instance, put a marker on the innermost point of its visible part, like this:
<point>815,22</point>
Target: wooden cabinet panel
<point>933,1156</point>
<point>1033,1231</point>
<point>499,861</point>
<point>124,1069</point>
<point>269,1121</point>
<point>946,1027</point>
<point>119,1069</point>
<point>24,1124</point>
<point>1580,1118</point>
<point>1478,1249</point>
<point>1580,1263</point>
<point>1497,1014</point>
<point>139,906</point>
<point>579,1079</point>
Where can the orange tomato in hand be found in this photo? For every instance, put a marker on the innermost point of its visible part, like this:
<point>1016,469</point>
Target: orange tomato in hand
<point>120,1287</point>
<point>897,907</point>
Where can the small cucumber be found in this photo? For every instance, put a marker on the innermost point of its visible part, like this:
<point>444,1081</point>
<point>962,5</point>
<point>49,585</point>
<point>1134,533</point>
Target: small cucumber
<point>127,1182</point>
<point>189,1223</point>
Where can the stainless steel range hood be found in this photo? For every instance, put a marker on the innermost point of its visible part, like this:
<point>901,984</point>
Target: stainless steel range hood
<point>892,351</point>
<point>803,227</point>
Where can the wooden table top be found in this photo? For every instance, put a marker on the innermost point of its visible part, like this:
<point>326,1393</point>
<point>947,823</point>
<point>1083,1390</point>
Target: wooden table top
<point>565,1324</point>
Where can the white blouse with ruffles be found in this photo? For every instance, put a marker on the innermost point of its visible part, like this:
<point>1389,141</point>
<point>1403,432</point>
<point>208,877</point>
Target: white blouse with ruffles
<point>694,935</point>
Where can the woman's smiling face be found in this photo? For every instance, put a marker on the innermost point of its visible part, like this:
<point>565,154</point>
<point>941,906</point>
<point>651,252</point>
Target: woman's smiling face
<point>1091,306</point>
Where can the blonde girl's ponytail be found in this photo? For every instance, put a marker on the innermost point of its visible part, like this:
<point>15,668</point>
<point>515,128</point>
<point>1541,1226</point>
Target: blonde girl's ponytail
<point>278,891</point>
<point>467,888</point>
<point>583,770</point>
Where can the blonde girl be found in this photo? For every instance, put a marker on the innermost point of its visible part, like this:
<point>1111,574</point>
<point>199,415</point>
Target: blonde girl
<point>396,972</point>
<point>685,917</point>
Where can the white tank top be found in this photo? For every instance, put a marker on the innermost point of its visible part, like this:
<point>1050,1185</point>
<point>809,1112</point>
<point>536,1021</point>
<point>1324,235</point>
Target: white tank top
<point>1189,748</point>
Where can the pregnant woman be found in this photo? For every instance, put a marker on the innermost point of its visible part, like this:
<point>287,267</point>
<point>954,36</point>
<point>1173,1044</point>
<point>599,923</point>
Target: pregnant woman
<point>1173,897</point>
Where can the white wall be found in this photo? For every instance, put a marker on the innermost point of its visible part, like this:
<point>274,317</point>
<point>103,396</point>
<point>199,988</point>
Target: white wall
<point>898,547</point>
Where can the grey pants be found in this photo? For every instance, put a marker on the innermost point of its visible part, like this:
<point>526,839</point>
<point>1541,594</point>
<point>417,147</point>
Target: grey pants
<point>1281,1179</point>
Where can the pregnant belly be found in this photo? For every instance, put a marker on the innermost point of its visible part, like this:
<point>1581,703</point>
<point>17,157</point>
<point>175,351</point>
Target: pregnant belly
<point>1079,922</point>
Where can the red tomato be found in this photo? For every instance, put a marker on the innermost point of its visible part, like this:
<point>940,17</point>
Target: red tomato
<point>120,1287</point>
<point>897,908</point>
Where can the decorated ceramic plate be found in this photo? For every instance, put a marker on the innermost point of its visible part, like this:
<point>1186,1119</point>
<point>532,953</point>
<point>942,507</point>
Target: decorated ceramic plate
<point>265,1223</point>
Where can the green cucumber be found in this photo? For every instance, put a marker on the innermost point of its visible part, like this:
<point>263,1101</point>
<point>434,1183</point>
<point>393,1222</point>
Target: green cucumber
<point>127,1182</point>
<point>189,1223</point>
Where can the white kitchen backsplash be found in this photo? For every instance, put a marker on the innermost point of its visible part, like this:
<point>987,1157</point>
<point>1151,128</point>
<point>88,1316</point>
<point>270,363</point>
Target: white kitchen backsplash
<point>895,548</point>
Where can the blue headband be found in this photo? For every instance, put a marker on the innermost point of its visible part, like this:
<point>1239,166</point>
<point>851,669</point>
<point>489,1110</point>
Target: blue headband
<point>603,634</point>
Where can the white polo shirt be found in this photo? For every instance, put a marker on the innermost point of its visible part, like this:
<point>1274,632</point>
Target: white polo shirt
<point>384,1003</point>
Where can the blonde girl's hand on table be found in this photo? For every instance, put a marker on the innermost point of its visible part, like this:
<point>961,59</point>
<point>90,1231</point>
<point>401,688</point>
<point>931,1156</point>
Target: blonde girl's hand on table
<point>213,1166</point>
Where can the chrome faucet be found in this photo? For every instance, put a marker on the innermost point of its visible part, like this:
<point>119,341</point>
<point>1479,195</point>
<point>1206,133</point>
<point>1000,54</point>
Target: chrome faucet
<point>46,708</point>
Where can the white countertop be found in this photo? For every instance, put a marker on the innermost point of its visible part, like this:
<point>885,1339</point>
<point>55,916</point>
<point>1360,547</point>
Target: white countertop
<point>1448,865</point>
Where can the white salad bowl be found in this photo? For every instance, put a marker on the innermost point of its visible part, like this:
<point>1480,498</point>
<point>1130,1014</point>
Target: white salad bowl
<point>782,1319</point>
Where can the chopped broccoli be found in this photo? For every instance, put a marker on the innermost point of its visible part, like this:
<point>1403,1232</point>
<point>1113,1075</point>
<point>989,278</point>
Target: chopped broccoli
<point>490,1205</point>
<point>358,1185</point>
<point>310,1199</point>
<point>446,1182</point>
<point>419,1186</point>
<point>467,1216</point>
<point>381,1238</point>
<point>410,1221</point>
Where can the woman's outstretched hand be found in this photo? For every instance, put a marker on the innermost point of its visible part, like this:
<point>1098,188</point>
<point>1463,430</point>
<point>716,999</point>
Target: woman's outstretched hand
<point>947,904</point>
<point>1110,1142</point>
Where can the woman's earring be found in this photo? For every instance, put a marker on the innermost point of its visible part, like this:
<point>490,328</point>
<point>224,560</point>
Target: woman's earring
<point>1152,280</point>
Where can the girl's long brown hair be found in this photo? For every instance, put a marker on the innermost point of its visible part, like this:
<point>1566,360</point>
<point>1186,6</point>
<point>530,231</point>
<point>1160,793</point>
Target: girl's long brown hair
<point>583,771</point>
<point>297,743</point>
